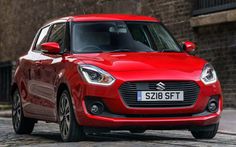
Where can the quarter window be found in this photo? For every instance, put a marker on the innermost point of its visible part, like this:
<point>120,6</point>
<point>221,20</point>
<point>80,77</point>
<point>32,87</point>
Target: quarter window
<point>42,38</point>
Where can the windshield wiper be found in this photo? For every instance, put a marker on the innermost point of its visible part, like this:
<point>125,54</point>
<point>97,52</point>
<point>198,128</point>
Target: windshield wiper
<point>87,52</point>
<point>120,50</point>
<point>175,51</point>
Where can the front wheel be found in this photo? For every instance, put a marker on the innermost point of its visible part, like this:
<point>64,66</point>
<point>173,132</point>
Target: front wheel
<point>69,128</point>
<point>21,124</point>
<point>209,133</point>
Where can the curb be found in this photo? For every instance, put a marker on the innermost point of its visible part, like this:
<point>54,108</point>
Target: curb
<point>5,107</point>
<point>226,132</point>
<point>5,113</point>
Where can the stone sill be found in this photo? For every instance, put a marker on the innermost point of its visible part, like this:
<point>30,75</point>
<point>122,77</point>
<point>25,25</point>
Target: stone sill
<point>213,18</point>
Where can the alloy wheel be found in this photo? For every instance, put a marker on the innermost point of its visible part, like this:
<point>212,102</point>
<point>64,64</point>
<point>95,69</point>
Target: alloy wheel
<point>16,110</point>
<point>64,115</point>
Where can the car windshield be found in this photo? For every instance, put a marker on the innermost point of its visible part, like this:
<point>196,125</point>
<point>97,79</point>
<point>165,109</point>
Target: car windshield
<point>120,36</point>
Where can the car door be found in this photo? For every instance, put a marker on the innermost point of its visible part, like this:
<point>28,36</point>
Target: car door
<point>36,103</point>
<point>50,67</point>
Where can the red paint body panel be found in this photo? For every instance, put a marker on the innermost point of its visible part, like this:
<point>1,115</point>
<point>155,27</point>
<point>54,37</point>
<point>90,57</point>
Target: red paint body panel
<point>112,17</point>
<point>39,75</point>
<point>189,46</point>
<point>51,47</point>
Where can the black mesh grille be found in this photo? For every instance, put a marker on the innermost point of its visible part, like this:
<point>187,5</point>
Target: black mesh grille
<point>129,90</point>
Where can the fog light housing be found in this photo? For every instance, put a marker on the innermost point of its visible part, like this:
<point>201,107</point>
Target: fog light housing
<point>96,108</point>
<point>213,104</point>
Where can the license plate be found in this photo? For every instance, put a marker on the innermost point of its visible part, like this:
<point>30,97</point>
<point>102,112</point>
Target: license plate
<point>160,96</point>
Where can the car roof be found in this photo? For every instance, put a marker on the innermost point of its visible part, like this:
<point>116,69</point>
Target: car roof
<point>105,17</point>
<point>112,17</point>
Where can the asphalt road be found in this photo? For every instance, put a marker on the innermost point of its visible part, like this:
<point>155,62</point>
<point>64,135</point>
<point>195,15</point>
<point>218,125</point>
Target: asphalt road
<point>47,135</point>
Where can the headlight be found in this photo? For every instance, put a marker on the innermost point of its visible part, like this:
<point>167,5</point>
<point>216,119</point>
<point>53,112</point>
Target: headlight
<point>208,74</point>
<point>95,75</point>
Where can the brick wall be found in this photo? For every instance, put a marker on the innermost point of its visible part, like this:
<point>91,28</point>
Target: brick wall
<point>217,44</point>
<point>20,20</point>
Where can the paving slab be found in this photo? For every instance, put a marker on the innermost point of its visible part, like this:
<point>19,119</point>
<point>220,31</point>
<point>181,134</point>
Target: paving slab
<point>227,122</point>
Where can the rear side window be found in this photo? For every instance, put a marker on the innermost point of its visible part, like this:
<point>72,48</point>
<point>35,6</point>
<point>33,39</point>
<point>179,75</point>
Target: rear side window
<point>42,38</point>
<point>58,34</point>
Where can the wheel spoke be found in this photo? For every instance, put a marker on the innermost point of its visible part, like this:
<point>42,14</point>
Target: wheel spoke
<point>18,113</point>
<point>16,110</point>
<point>64,104</point>
<point>13,113</point>
<point>64,128</point>
<point>62,125</point>
<point>67,128</point>
<point>61,117</point>
<point>67,121</point>
<point>64,114</point>
<point>18,101</point>
<point>61,109</point>
<point>16,121</point>
<point>67,115</point>
<point>67,108</point>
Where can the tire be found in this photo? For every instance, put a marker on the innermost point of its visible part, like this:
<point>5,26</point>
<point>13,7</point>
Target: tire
<point>137,131</point>
<point>208,134</point>
<point>21,124</point>
<point>69,128</point>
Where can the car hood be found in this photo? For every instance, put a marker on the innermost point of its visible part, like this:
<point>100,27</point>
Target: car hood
<point>143,61</point>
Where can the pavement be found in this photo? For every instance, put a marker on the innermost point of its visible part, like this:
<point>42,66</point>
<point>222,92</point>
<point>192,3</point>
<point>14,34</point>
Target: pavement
<point>5,113</point>
<point>227,122</point>
<point>47,135</point>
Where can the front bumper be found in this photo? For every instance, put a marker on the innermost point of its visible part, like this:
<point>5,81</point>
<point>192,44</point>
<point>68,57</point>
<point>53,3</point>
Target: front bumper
<point>150,123</point>
<point>178,122</point>
<point>112,100</point>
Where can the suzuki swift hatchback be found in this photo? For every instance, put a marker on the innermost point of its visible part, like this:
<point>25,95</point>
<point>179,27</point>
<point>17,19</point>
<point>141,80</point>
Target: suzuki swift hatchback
<point>114,72</point>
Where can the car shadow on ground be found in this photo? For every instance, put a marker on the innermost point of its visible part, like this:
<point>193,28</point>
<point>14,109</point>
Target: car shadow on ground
<point>55,137</point>
<point>125,136</point>
<point>114,136</point>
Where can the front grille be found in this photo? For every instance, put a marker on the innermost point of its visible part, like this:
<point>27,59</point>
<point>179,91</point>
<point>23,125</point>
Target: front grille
<point>128,92</point>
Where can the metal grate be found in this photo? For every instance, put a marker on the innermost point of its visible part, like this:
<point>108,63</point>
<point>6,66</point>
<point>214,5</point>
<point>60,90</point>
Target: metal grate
<point>209,6</point>
<point>5,81</point>
<point>129,90</point>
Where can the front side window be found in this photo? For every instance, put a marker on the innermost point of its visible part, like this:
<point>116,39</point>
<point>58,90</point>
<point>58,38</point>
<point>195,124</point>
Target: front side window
<point>58,33</point>
<point>119,36</point>
<point>42,38</point>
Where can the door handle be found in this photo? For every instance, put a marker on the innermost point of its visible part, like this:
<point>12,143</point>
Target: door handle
<point>38,62</point>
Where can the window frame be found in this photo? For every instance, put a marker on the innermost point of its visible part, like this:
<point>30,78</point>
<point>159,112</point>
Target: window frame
<point>65,44</point>
<point>37,37</point>
<point>202,7</point>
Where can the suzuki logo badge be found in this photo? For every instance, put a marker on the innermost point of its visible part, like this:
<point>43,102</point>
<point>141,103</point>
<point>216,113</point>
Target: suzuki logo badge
<point>160,86</point>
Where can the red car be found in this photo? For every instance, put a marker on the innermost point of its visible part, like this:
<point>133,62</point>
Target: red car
<point>114,72</point>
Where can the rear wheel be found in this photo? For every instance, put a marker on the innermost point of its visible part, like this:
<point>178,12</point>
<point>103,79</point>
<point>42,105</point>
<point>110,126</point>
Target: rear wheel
<point>21,124</point>
<point>69,128</point>
<point>208,134</point>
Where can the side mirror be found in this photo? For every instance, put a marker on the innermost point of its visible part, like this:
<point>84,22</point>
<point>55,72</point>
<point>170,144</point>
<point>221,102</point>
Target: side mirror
<point>189,47</point>
<point>51,47</point>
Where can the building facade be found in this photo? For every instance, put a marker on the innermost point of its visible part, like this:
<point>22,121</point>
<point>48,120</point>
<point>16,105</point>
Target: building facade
<point>209,23</point>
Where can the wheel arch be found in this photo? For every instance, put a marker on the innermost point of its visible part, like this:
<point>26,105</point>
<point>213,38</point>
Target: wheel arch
<point>61,87</point>
<point>12,90</point>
